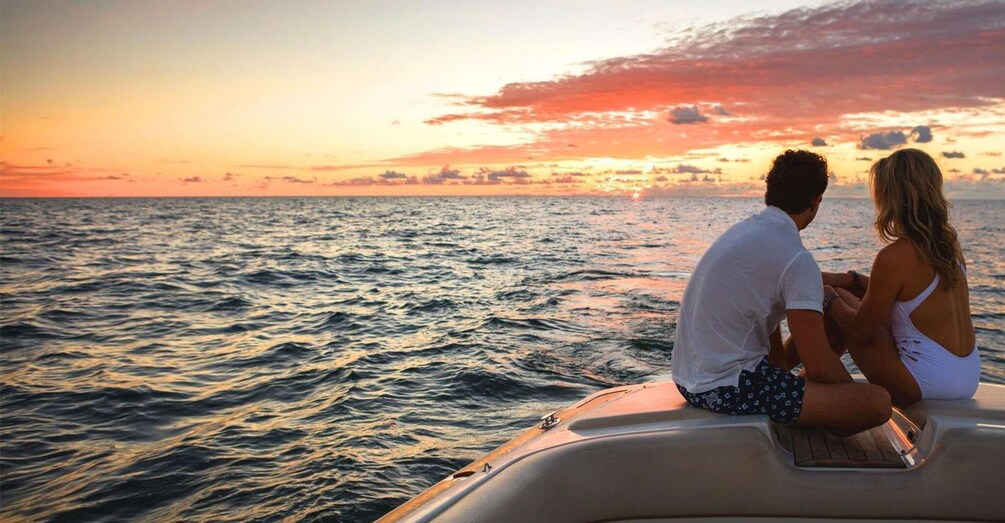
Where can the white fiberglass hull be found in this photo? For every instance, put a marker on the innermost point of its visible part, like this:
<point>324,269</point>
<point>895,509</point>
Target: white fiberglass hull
<point>641,453</point>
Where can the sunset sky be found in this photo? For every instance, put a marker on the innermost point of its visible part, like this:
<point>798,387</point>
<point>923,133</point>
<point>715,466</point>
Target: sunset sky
<point>175,98</point>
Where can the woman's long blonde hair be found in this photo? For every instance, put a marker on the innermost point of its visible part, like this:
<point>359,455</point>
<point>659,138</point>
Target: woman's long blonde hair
<point>907,190</point>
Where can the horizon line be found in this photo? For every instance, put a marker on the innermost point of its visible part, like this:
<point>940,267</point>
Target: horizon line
<point>427,196</point>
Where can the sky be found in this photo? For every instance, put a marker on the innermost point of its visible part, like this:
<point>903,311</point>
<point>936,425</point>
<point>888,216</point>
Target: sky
<point>640,98</point>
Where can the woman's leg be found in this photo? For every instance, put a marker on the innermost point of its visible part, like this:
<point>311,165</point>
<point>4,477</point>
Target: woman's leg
<point>880,362</point>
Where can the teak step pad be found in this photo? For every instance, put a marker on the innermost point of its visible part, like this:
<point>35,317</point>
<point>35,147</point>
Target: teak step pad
<point>815,447</point>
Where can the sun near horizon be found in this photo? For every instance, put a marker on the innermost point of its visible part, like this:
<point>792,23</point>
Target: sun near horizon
<point>649,98</point>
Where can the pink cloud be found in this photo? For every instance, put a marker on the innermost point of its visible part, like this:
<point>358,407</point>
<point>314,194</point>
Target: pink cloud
<point>50,173</point>
<point>782,77</point>
<point>821,55</point>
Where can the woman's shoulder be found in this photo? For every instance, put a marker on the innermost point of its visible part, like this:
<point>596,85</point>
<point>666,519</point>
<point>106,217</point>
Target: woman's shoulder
<point>899,263</point>
<point>901,252</point>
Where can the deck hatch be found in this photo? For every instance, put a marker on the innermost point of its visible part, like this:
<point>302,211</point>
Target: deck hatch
<point>815,447</point>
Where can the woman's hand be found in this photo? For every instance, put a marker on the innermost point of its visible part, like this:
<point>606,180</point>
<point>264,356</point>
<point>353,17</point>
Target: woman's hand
<point>862,320</point>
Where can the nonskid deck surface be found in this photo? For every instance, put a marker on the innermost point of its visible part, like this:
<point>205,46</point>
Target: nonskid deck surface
<point>815,447</point>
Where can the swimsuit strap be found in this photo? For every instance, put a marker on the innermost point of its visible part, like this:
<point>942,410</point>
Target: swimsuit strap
<point>909,305</point>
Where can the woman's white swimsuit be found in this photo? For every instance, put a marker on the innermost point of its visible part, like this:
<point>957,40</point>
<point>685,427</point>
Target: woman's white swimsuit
<point>940,374</point>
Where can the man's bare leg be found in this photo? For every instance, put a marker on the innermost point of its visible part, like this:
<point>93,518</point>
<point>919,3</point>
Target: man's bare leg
<point>844,408</point>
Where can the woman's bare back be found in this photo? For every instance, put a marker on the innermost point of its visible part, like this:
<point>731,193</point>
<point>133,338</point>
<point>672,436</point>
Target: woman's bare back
<point>945,315</point>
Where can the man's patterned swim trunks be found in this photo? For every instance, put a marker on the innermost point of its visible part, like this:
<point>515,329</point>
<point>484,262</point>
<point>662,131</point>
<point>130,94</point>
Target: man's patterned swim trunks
<point>767,390</point>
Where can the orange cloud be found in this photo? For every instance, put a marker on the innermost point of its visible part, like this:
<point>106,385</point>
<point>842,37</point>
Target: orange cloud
<point>766,78</point>
<point>50,173</point>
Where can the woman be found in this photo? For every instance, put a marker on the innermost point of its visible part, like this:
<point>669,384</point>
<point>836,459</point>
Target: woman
<point>911,333</point>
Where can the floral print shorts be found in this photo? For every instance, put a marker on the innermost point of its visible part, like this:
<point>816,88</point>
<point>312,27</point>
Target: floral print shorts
<point>767,390</point>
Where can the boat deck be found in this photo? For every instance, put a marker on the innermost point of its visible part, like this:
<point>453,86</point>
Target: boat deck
<point>815,447</point>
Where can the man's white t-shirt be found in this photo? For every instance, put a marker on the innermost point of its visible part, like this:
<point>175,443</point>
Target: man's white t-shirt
<point>737,295</point>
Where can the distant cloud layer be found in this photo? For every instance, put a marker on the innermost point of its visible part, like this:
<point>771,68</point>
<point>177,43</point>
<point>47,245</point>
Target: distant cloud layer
<point>510,172</point>
<point>951,54</point>
<point>291,179</point>
<point>953,154</point>
<point>449,176</point>
<point>366,181</point>
<point>445,174</point>
<point>685,168</point>
<point>818,142</point>
<point>29,175</point>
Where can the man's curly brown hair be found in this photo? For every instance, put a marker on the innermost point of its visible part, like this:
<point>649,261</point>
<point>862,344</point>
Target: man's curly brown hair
<point>796,178</point>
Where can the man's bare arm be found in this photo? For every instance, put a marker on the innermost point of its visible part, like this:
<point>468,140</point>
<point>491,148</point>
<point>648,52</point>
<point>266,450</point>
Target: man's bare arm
<point>822,364</point>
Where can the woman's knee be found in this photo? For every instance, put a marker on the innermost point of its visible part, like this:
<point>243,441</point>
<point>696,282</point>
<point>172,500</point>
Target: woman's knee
<point>905,398</point>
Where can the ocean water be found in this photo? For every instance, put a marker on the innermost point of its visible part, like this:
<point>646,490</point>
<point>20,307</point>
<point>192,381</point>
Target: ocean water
<point>329,358</point>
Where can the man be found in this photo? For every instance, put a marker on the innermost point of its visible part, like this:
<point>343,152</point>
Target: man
<point>728,356</point>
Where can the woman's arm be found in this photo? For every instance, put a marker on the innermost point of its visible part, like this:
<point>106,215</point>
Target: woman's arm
<point>852,281</point>
<point>873,312</point>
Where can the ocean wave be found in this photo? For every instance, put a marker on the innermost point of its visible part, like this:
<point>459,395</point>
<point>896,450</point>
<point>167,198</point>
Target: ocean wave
<point>592,275</point>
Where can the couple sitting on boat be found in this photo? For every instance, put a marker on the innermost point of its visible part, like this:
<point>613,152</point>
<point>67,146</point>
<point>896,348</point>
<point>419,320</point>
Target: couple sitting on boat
<point>907,326</point>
